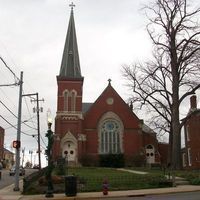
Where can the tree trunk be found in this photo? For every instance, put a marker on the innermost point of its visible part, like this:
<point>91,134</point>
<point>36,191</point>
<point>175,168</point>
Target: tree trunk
<point>176,148</point>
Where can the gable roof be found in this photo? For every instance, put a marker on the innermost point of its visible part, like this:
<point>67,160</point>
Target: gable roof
<point>111,90</point>
<point>8,151</point>
<point>86,107</point>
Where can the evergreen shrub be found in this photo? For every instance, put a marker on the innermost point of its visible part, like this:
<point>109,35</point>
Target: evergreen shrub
<point>111,160</point>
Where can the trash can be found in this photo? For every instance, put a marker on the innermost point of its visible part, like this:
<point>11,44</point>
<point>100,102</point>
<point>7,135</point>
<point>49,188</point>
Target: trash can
<point>70,186</point>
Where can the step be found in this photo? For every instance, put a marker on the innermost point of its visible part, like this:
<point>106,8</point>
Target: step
<point>182,182</point>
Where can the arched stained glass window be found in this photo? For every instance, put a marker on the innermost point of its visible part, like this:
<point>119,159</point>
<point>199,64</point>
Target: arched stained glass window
<point>110,137</point>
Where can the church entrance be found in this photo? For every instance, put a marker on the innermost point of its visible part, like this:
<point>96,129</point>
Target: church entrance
<point>69,151</point>
<point>150,154</point>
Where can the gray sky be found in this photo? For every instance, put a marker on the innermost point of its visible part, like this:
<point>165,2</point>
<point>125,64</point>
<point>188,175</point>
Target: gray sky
<point>110,33</point>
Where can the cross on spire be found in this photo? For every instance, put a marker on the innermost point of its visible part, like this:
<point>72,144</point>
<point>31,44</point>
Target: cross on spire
<point>109,81</point>
<point>72,5</point>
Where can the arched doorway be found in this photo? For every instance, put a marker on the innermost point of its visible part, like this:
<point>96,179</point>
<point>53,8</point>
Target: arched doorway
<point>69,148</point>
<point>150,154</point>
<point>69,151</point>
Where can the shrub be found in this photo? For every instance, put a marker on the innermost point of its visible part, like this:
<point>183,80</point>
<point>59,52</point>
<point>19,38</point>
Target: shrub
<point>138,160</point>
<point>195,181</point>
<point>60,167</point>
<point>55,180</point>
<point>111,160</point>
<point>155,166</point>
<point>88,161</point>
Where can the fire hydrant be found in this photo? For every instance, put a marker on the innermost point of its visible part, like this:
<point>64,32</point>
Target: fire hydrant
<point>105,187</point>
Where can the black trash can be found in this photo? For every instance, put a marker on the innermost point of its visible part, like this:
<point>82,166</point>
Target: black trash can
<point>70,186</point>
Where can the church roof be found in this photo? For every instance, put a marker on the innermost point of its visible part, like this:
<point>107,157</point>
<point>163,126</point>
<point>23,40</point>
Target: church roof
<point>86,107</point>
<point>70,66</point>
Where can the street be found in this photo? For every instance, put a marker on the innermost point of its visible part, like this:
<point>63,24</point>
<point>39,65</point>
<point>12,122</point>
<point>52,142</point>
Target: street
<point>175,196</point>
<point>6,179</point>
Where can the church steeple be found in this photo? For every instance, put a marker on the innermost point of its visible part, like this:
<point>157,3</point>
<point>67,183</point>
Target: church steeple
<point>70,66</point>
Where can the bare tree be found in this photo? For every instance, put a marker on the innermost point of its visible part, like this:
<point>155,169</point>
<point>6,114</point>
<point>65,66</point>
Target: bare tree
<point>164,82</point>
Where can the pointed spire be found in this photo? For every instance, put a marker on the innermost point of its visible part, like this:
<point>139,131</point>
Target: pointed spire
<point>70,66</point>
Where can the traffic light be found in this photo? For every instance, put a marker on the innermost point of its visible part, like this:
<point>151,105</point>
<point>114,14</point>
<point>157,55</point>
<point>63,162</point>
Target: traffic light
<point>16,144</point>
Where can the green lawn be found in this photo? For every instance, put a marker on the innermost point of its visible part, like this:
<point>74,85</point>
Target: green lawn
<point>91,179</point>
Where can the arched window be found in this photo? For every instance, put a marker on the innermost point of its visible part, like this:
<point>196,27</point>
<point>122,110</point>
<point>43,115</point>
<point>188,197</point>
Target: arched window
<point>73,100</point>
<point>110,137</point>
<point>66,100</point>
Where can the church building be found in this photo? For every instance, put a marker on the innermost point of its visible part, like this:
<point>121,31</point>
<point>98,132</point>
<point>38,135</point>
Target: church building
<point>106,126</point>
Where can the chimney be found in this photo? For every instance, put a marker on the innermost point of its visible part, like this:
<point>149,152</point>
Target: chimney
<point>193,102</point>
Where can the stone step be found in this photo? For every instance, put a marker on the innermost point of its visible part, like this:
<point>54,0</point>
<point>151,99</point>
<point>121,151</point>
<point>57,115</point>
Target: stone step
<point>182,182</point>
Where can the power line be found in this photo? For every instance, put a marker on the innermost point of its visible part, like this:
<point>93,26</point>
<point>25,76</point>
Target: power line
<point>8,109</point>
<point>10,70</point>
<point>23,123</point>
<point>28,108</point>
<point>14,126</point>
<point>16,116</point>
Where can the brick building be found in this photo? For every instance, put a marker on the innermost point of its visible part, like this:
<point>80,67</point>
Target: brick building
<point>107,126</point>
<point>191,152</point>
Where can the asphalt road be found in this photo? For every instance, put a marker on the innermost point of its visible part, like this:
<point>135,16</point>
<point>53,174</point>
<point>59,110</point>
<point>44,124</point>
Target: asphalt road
<point>6,179</point>
<point>176,196</point>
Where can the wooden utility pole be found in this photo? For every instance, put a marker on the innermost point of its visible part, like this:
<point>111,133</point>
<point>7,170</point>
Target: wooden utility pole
<point>37,110</point>
<point>17,158</point>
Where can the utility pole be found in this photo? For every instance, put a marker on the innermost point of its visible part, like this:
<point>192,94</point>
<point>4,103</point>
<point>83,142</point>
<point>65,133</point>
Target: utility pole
<point>37,110</point>
<point>17,158</point>
<point>23,153</point>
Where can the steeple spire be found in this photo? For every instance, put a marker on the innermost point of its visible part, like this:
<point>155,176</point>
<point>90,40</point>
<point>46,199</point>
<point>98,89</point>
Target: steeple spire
<point>70,66</point>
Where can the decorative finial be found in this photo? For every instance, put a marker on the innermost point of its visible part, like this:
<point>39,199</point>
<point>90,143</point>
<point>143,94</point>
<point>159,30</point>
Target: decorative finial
<point>72,5</point>
<point>109,81</point>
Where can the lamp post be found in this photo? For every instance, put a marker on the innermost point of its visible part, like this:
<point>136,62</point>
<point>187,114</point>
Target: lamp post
<point>49,135</point>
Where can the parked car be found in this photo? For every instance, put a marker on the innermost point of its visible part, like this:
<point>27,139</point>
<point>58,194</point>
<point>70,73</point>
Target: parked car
<point>13,171</point>
<point>36,167</point>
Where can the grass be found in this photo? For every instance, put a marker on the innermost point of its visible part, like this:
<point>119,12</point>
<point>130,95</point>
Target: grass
<point>90,179</point>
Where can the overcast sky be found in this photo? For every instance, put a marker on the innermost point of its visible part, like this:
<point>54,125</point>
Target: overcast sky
<point>110,33</point>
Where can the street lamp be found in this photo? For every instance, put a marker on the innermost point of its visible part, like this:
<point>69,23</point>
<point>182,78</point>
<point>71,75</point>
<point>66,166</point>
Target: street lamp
<point>49,135</point>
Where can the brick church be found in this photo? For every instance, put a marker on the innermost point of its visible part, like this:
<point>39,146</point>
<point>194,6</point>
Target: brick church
<point>107,126</point>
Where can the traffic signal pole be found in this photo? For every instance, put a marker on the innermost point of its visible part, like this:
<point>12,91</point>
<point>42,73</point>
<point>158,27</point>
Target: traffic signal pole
<point>17,156</point>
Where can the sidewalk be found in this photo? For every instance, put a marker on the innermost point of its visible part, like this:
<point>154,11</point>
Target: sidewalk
<point>7,193</point>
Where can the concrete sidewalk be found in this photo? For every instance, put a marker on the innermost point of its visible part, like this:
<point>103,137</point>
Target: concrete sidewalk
<point>7,193</point>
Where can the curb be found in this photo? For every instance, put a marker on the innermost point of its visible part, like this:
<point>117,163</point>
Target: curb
<point>112,194</point>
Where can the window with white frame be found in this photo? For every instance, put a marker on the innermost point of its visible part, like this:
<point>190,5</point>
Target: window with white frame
<point>189,157</point>
<point>110,137</point>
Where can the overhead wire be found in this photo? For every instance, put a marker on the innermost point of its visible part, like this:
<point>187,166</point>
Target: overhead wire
<point>9,69</point>
<point>28,109</point>
<point>16,115</point>
<point>17,80</point>
<point>14,126</point>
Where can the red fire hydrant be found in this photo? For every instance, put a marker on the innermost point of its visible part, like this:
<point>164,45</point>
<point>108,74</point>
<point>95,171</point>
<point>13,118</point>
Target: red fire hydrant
<point>105,187</point>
